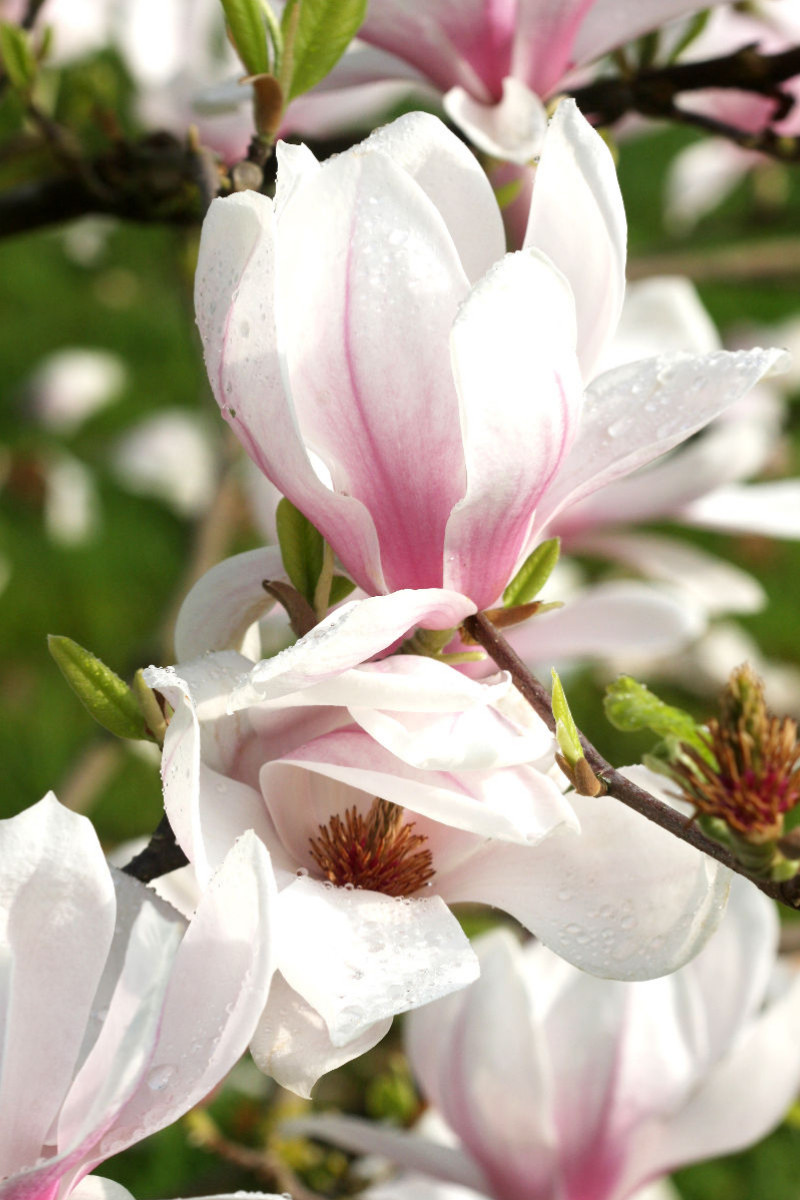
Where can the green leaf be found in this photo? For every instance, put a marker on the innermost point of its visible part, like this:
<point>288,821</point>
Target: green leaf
<point>301,548</point>
<point>693,29</point>
<point>249,34</point>
<point>324,30</point>
<point>533,574</point>
<point>341,587</point>
<point>17,56</point>
<point>567,736</point>
<point>105,696</point>
<point>631,707</point>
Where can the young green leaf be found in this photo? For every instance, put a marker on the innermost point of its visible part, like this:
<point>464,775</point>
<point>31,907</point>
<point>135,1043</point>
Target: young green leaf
<point>301,548</point>
<point>341,587</point>
<point>105,696</point>
<point>323,32</point>
<point>567,735</point>
<point>249,34</point>
<point>533,574</point>
<point>631,707</point>
<point>17,56</point>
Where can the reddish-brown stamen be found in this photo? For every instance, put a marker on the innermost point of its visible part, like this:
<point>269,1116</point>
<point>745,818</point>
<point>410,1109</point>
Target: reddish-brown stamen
<point>378,852</point>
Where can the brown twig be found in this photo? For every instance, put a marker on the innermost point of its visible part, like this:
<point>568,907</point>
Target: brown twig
<point>481,629</point>
<point>161,855</point>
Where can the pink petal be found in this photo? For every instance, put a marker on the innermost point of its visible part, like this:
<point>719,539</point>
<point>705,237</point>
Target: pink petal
<point>453,42</point>
<point>367,270</point>
<point>514,338</point>
<point>610,23</point>
<point>235,302</point>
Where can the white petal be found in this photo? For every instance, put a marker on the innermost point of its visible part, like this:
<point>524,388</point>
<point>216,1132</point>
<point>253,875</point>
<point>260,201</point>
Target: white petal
<point>407,1149</point>
<point>659,314</point>
<point>622,899</point>
<point>769,509</point>
<point>577,219</point>
<point>225,602</point>
<point>59,905</point>
<point>512,129</point>
<point>518,804</point>
<point>348,636</point>
<point>293,1045</point>
<point>713,584</point>
<point>358,957</point>
<point>450,176</point>
<point>608,619</point>
<point>228,957</point>
<point>636,412</point>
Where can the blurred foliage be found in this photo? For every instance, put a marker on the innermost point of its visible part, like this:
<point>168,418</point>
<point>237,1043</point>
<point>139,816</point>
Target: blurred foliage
<point>127,289</point>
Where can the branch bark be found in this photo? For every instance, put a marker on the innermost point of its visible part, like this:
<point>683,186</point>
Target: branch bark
<point>655,92</point>
<point>481,629</point>
<point>161,855</point>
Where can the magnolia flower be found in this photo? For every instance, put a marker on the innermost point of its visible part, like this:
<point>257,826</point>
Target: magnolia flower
<point>702,175</point>
<point>495,63</point>
<point>386,791</point>
<point>416,393</point>
<point>701,485</point>
<point>589,1088</point>
<point>104,1039</point>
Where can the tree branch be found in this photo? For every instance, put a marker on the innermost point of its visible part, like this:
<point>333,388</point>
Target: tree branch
<point>480,628</point>
<point>161,855</point>
<point>654,92</point>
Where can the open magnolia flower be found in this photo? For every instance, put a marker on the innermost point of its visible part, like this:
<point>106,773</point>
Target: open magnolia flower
<point>415,392</point>
<point>495,62</point>
<point>385,791</point>
<point>589,1088</point>
<point>104,1039</point>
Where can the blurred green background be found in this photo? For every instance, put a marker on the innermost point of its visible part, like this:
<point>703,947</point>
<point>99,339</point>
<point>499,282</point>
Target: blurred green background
<point>126,289</point>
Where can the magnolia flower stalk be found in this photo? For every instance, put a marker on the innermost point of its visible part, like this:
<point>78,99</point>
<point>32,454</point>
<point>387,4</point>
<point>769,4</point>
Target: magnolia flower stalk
<point>546,1082</point>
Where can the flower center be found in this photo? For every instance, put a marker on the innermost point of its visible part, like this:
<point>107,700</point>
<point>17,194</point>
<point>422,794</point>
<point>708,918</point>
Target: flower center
<point>378,852</point>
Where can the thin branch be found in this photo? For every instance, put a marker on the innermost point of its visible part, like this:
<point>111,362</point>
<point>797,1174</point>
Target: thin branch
<point>161,855</point>
<point>655,92</point>
<point>754,260</point>
<point>481,629</point>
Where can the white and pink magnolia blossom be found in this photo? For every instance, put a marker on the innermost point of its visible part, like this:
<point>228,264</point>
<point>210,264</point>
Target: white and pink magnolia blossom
<point>553,1084</point>
<point>700,485</point>
<point>702,175</point>
<point>495,63</point>
<point>105,1041</point>
<point>418,394</point>
<point>322,752</point>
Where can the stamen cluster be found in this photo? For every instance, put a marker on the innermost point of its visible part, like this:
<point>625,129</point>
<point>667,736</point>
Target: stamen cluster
<point>378,852</point>
<point>751,777</point>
